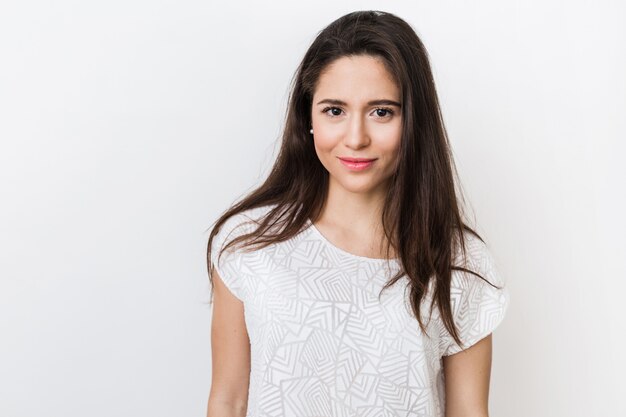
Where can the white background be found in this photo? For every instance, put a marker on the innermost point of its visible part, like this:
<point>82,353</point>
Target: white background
<point>128,126</point>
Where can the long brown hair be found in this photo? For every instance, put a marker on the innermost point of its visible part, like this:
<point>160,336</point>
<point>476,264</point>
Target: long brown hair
<point>421,217</point>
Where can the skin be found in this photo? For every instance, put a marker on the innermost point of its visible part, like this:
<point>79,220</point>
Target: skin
<point>351,220</point>
<point>230,350</point>
<point>351,217</point>
<point>467,374</point>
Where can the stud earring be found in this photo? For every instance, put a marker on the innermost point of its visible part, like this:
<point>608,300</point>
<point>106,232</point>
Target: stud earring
<point>311,131</point>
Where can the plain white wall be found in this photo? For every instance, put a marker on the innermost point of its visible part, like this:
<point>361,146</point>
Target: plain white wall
<point>128,126</point>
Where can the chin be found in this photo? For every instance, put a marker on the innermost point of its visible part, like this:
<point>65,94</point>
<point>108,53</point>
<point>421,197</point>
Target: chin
<point>356,185</point>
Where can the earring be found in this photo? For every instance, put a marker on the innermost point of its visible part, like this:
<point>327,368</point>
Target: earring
<point>311,131</point>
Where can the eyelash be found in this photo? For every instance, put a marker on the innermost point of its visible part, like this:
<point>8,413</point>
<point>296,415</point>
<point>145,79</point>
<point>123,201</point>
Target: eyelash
<point>391,112</point>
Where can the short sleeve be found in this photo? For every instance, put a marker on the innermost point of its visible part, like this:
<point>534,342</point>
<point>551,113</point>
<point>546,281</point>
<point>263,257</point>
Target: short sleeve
<point>477,307</point>
<point>227,262</point>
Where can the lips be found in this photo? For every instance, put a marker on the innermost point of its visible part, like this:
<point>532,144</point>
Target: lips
<point>353,160</point>
<point>357,164</point>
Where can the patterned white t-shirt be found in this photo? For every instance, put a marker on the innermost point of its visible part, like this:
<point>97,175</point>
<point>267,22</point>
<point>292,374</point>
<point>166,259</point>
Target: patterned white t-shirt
<point>323,344</point>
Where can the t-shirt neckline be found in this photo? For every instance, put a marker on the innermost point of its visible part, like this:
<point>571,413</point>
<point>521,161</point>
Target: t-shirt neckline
<point>344,252</point>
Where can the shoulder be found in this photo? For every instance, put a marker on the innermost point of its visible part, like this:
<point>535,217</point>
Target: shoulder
<point>239,224</point>
<point>479,303</point>
<point>478,259</point>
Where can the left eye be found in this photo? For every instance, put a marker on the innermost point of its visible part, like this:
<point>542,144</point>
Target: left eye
<point>384,111</point>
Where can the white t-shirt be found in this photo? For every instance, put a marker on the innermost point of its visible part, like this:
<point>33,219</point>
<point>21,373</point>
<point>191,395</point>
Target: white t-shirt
<point>323,344</point>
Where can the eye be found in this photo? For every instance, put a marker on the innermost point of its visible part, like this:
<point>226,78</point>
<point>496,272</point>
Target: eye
<point>384,111</point>
<point>336,111</point>
<point>381,112</point>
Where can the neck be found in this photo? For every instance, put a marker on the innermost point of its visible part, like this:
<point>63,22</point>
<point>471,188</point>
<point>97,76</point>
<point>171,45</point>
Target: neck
<point>355,218</point>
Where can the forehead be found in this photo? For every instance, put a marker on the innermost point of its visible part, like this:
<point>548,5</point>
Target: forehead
<point>356,77</point>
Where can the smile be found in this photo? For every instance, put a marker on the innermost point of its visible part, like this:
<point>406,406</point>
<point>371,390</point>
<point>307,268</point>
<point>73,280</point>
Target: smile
<point>357,164</point>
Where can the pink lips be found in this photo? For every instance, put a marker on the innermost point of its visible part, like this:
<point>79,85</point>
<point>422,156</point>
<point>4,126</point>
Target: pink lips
<point>357,164</point>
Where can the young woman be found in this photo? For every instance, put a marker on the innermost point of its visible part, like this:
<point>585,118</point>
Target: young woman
<point>348,284</point>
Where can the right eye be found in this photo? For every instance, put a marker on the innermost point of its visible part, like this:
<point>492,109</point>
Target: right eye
<point>335,111</point>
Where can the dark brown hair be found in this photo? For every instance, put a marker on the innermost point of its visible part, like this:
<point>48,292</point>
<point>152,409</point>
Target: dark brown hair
<point>421,216</point>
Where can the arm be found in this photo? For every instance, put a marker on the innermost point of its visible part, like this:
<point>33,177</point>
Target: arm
<point>467,375</point>
<point>230,347</point>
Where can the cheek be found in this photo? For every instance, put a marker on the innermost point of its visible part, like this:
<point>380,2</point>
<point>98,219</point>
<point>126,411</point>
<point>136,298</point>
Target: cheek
<point>325,139</point>
<point>389,145</point>
<point>389,138</point>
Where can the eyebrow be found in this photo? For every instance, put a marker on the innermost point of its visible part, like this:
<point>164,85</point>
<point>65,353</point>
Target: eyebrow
<point>369,103</point>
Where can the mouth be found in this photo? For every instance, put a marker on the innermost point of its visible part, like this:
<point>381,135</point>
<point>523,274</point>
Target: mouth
<point>357,164</point>
<point>347,159</point>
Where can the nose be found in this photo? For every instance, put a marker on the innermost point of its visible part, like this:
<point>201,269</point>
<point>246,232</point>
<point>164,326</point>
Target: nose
<point>356,136</point>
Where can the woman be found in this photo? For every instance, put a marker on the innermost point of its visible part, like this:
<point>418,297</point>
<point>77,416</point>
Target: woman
<point>348,284</point>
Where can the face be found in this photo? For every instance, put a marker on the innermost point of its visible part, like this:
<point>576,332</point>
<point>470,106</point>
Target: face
<point>356,114</point>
